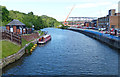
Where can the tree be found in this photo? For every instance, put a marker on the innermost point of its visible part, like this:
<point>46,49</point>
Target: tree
<point>29,19</point>
<point>30,13</point>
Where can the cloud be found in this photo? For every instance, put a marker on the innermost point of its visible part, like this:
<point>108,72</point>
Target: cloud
<point>47,0</point>
<point>90,5</point>
<point>54,1</point>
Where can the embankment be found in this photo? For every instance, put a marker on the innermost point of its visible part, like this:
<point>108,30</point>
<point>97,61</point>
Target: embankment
<point>12,58</point>
<point>108,39</point>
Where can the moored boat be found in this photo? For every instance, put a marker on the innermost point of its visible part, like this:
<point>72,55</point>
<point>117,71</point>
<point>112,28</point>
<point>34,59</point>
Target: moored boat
<point>44,39</point>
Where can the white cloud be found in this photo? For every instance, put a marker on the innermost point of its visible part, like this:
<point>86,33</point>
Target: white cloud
<point>90,5</point>
<point>55,1</point>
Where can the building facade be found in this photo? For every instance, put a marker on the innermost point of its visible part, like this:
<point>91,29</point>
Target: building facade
<point>109,21</point>
<point>16,26</point>
<point>94,23</point>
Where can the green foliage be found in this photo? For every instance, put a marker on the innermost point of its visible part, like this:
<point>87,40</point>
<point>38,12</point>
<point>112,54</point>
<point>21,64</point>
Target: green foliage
<point>30,13</point>
<point>64,27</point>
<point>49,21</point>
<point>0,15</point>
<point>4,15</point>
<point>29,19</point>
<point>24,42</point>
<point>39,31</point>
<point>29,47</point>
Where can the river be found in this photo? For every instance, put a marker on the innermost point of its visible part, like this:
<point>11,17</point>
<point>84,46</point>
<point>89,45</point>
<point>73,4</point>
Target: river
<point>68,53</point>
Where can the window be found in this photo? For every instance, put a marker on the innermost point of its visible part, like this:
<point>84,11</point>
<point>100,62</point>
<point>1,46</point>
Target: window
<point>112,26</point>
<point>17,27</point>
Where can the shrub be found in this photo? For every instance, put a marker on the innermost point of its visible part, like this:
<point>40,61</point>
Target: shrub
<point>29,47</point>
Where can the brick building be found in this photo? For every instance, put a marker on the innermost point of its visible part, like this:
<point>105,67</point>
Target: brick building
<point>87,24</point>
<point>16,26</point>
<point>115,21</point>
<point>103,22</point>
<point>109,21</point>
<point>94,23</point>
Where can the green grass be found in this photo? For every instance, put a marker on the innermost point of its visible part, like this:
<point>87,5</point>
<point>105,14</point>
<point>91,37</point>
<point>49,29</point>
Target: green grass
<point>0,49</point>
<point>39,31</point>
<point>29,47</point>
<point>24,42</point>
<point>9,48</point>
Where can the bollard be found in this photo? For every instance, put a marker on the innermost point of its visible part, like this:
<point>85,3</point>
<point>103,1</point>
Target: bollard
<point>31,50</point>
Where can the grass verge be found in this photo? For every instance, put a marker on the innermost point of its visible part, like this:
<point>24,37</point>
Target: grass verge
<point>9,48</point>
<point>24,42</point>
<point>40,32</point>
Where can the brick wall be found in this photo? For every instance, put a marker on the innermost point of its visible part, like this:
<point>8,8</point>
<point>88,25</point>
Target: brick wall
<point>14,29</point>
<point>7,27</point>
<point>114,21</point>
<point>118,21</point>
<point>30,37</point>
<point>18,31</point>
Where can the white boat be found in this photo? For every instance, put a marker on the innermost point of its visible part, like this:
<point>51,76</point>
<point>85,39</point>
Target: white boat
<point>44,39</point>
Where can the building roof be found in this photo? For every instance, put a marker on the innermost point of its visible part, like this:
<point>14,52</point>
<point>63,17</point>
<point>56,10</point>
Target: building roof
<point>16,22</point>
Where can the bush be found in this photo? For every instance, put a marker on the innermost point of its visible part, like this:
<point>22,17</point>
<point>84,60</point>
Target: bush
<point>64,27</point>
<point>29,47</point>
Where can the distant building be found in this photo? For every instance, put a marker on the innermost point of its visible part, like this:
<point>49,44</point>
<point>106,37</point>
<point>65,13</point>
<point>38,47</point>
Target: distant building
<point>103,22</point>
<point>110,21</point>
<point>16,26</point>
<point>87,24</point>
<point>94,23</point>
<point>79,21</point>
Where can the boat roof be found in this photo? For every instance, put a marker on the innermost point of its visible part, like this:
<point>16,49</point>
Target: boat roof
<point>46,36</point>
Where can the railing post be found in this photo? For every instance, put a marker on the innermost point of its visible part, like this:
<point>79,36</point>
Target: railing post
<point>20,40</point>
<point>11,36</point>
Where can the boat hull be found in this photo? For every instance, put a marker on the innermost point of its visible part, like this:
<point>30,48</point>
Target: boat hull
<point>44,42</point>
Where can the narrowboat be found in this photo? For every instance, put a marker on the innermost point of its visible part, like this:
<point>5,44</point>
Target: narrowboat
<point>44,39</point>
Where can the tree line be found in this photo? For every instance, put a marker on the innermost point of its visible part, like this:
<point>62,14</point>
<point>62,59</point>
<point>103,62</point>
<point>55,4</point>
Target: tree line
<point>29,19</point>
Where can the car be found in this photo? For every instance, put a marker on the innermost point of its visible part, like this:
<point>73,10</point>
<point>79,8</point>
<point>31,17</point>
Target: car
<point>112,33</point>
<point>90,27</point>
<point>107,32</point>
<point>118,33</point>
<point>96,29</point>
<point>93,27</point>
<point>103,29</point>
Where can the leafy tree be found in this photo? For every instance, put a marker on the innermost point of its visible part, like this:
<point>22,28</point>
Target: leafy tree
<point>29,19</point>
<point>30,13</point>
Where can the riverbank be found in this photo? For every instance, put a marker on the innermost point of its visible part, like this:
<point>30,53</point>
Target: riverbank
<point>9,48</point>
<point>108,39</point>
<point>14,55</point>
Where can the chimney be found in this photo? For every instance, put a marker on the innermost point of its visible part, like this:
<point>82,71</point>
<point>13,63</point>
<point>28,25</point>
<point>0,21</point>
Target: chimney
<point>111,12</point>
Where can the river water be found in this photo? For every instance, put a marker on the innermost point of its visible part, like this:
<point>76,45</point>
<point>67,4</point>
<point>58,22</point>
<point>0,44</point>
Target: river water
<point>68,53</point>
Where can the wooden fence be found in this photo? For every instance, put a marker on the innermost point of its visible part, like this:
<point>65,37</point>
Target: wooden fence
<point>11,36</point>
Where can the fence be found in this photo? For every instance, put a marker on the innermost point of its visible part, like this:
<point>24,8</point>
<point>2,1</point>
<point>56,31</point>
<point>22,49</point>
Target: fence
<point>11,36</point>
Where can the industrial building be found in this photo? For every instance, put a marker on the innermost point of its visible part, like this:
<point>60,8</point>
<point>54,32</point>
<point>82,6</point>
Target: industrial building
<point>110,21</point>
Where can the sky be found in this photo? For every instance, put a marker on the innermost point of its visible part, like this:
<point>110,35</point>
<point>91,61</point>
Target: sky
<point>59,9</point>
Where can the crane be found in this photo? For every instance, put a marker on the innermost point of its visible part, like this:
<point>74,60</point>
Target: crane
<point>69,14</point>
